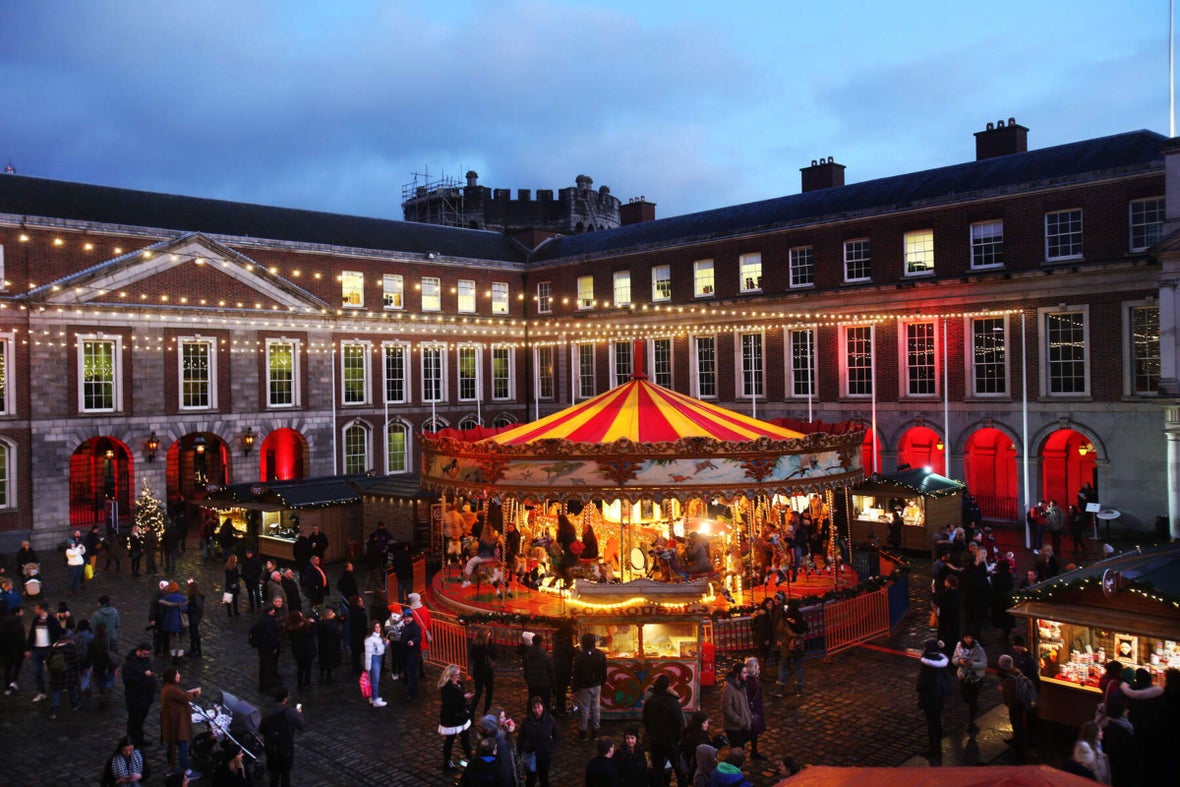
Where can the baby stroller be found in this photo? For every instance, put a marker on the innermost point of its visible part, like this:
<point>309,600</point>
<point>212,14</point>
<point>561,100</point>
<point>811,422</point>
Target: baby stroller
<point>230,721</point>
<point>32,579</point>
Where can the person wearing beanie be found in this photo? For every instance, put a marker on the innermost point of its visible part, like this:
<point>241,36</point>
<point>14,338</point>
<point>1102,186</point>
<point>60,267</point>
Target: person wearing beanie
<point>110,616</point>
<point>931,694</point>
<point>412,649</point>
<point>663,720</point>
<point>490,727</point>
<point>706,763</point>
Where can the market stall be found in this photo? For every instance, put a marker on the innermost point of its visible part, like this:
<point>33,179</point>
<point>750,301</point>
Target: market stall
<point>1125,608</point>
<point>924,500</point>
<point>275,512</point>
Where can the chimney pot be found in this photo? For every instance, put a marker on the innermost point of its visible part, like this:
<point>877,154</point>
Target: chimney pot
<point>824,173</point>
<point>1000,139</point>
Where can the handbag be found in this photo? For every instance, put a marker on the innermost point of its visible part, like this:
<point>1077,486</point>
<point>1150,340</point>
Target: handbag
<point>366,686</point>
<point>227,597</point>
<point>934,618</point>
<point>88,572</point>
<point>530,761</point>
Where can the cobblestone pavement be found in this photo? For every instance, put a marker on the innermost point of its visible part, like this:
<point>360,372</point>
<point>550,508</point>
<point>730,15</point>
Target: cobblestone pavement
<point>858,707</point>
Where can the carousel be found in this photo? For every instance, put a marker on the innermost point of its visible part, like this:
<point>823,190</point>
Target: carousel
<point>635,514</point>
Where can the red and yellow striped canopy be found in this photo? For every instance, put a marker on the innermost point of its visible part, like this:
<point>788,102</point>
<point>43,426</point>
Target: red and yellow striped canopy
<point>644,413</point>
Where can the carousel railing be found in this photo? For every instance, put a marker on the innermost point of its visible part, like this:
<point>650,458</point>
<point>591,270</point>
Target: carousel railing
<point>450,642</point>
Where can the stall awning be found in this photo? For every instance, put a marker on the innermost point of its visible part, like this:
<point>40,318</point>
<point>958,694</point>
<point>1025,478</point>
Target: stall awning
<point>279,495</point>
<point>920,482</point>
<point>1101,617</point>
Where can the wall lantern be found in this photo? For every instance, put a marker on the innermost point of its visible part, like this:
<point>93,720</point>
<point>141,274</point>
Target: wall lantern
<point>153,443</point>
<point>939,445</point>
<point>1085,448</point>
<point>199,445</point>
<point>248,441</point>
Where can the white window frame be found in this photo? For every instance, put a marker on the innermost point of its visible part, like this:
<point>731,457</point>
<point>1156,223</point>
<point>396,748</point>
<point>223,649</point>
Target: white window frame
<point>1130,347</point>
<point>918,249</point>
<point>431,291</point>
<point>1044,317</point>
<point>423,350</point>
<point>750,272</point>
<point>210,345</point>
<point>366,369</point>
<point>904,383</point>
<point>467,423</point>
<point>858,251</point>
<point>386,355</point>
<point>541,377</point>
<point>544,297</point>
<point>3,282</point>
<point>1135,227</point>
<point>509,377</point>
<point>976,351</point>
<point>1052,218</point>
<point>352,289</point>
<point>392,466</point>
<point>661,283</point>
<point>7,374</point>
<point>756,367</point>
<point>845,379</point>
<point>987,244</point>
<point>621,362</point>
<point>295,346</point>
<point>704,279</point>
<point>465,297</point>
<point>585,359</point>
<point>698,390</point>
<point>472,351</point>
<point>807,363</point>
<point>585,293</point>
<point>8,473</point>
<point>661,376</point>
<point>116,372</point>
<point>500,297</point>
<point>393,291</point>
<point>801,267</point>
<point>621,282</point>
<point>366,431</point>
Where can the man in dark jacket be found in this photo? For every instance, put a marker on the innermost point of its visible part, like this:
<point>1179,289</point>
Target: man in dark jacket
<point>265,636</point>
<point>301,551</point>
<point>403,567</point>
<point>44,632</point>
<point>291,591</point>
<point>315,584</point>
<point>600,771</point>
<point>251,569</point>
<point>663,720</point>
<point>412,648</point>
<point>319,542</point>
<point>139,689</point>
<point>278,732</point>
<point>539,672</point>
<point>589,674</point>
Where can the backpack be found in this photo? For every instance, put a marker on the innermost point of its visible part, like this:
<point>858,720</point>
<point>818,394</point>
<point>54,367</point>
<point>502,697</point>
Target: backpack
<point>272,731</point>
<point>57,660</point>
<point>1026,692</point>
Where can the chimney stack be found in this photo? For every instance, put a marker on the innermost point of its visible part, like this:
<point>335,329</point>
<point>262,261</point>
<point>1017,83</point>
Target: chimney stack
<point>822,174</point>
<point>637,211</point>
<point>999,139</point>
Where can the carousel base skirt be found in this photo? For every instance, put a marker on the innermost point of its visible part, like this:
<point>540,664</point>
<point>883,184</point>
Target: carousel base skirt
<point>448,593</point>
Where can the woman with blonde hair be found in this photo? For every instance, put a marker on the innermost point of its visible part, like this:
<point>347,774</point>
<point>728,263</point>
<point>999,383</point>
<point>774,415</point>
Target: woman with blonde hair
<point>454,718</point>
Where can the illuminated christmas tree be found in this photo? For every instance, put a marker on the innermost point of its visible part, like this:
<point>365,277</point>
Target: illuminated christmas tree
<point>149,512</point>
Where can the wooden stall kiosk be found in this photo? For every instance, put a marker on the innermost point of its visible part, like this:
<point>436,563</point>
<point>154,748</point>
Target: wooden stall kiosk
<point>274,512</point>
<point>1125,608</point>
<point>926,501</point>
<point>647,629</point>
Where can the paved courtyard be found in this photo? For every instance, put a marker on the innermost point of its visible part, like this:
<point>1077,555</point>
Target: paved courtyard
<point>858,707</point>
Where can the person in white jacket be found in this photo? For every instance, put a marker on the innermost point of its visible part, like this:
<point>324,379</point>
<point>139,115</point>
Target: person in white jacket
<point>1088,753</point>
<point>75,561</point>
<point>374,658</point>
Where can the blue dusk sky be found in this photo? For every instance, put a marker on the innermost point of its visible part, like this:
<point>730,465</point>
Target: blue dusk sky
<point>335,106</point>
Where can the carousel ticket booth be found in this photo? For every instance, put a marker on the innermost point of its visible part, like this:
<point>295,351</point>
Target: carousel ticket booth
<point>926,502</point>
<point>275,512</point>
<point>646,629</point>
<point>1125,609</point>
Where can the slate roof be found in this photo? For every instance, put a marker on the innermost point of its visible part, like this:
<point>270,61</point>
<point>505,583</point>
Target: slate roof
<point>917,480</point>
<point>26,196</point>
<point>300,493</point>
<point>1155,570</point>
<point>1131,151</point>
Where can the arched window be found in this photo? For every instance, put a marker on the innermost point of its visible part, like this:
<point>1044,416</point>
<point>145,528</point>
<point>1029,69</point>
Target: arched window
<point>434,425</point>
<point>503,419</point>
<point>468,422</point>
<point>397,448</point>
<point>356,448</point>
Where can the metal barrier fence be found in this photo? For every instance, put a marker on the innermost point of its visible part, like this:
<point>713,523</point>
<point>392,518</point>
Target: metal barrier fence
<point>851,621</point>
<point>449,645</point>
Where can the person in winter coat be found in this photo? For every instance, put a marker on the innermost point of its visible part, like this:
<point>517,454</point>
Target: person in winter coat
<point>483,769</point>
<point>757,705</point>
<point>99,661</point>
<point>705,760</point>
<point>539,736</point>
<point>663,721</point>
<point>302,634</point>
<point>196,612</point>
<point>930,696</point>
<point>1017,714</point>
<point>328,638</point>
<point>1002,584</point>
<point>539,671</point>
<point>696,733</point>
<point>790,630</point>
<point>12,648</point>
<point>949,601</point>
<point>970,662</point>
<point>600,771</point>
<point>1118,739</point>
<point>233,585</point>
<point>65,653</point>
<point>139,690</point>
<point>109,616</point>
<point>481,660</point>
<point>763,625</point>
<point>564,652</point>
<point>490,726</point>
<point>412,637</point>
<point>251,568</point>
<point>43,632</point>
<point>171,621</point>
<point>75,562</point>
<point>589,674</point>
<point>453,719</point>
<point>630,760</point>
<point>729,773</point>
<point>374,660</point>
<point>176,725</point>
<point>1088,753</point>
<point>735,707</point>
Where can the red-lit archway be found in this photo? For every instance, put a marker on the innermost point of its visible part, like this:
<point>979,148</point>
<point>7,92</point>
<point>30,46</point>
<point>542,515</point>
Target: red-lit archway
<point>283,456</point>
<point>1068,460</point>
<point>195,461</point>
<point>921,446</point>
<point>989,468</point>
<point>100,470</point>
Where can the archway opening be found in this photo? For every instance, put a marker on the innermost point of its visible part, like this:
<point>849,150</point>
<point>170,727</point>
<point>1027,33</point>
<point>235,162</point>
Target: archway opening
<point>283,456</point>
<point>100,475</point>
<point>921,446</point>
<point>1068,460</point>
<point>989,468</point>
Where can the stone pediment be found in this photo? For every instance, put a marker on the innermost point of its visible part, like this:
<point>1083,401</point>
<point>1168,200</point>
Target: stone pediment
<point>177,272</point>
